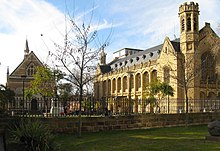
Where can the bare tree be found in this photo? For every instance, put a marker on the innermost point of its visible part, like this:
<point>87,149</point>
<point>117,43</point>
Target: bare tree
<point>79,55</point>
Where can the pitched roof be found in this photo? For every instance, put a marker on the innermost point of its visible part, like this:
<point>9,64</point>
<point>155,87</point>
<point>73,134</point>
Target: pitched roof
<point>24,60</point>
<point>142,56</point>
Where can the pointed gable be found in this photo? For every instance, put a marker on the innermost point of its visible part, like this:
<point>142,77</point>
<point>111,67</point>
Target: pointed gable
<point>27,65</point>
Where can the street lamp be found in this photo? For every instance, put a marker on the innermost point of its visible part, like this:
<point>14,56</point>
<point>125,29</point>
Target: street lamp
<point>23,77</point>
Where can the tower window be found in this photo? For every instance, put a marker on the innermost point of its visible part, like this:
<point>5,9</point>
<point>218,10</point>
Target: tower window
<point>195,23</point>
<point>183,25</point>
<point>188,24</point>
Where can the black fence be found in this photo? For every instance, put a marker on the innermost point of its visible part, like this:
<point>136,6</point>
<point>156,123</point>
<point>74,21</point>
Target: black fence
<point>106,107</point>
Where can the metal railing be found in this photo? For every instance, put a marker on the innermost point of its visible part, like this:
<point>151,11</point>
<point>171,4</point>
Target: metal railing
<point>107,107</point>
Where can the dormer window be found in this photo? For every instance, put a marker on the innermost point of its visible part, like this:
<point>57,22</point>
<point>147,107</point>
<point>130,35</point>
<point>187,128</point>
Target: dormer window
<point>158,51</point>
<point>144,56</point>
<point>126,62</point>
<point>116,65</point>
<point>120,63</point>
<point>137,58</point>
<point>151,54</point>
<point>131,60</point>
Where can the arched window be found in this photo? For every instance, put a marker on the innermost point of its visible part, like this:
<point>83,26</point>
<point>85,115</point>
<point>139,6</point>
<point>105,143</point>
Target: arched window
<point>119,84</point>
<point>104,88</point>
<point>138,81</point>
<point>183,25</point>
<point>113,85</point>
<point>145,80</point>
<point>166,74</point>
<point>208,67</point>
<point>154,75</point>
<point>188,24</point>
<point>125,83</point>
<point>30,70</point>
<point>109,86</point>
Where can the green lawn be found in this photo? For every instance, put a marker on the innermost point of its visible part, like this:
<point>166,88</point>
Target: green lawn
<point>157,139</point>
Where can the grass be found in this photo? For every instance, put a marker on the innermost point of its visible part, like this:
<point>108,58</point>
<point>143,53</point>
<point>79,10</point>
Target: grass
<point>158,139</point>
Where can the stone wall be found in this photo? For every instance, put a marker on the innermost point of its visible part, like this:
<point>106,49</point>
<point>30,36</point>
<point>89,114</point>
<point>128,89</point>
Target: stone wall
<point>96,124</point>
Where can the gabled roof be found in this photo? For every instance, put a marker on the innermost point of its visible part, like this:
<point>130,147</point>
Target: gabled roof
<point>25,60</point>
<point>207,25</point>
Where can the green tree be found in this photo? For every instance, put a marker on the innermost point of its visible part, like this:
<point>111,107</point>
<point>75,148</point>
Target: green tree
<point>157,91</point>
<point>44,84</point>
<point>6,96</point>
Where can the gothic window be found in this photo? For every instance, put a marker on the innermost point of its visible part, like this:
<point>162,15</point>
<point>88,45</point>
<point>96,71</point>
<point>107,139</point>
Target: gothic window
<point>188,24</point>
<point>138,81</point>
<point>119,84</point>
<point>195,23</point>
<point>109,86</point>
<point>104,88</point>
<point>183,25</point>
<point>154,75</point>
<point>166,75</point>
<point>113,85</point>
<point>125,84</point>
<point>208,67</point>
<point>30,70</point>
<point>145,80</point>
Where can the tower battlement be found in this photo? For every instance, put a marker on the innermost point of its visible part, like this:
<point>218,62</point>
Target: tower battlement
<point>189,7</point>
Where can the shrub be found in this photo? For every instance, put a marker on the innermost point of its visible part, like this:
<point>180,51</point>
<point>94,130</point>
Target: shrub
<point>30,135</point>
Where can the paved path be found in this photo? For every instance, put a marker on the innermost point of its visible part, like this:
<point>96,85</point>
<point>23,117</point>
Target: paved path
<point>1,144</point>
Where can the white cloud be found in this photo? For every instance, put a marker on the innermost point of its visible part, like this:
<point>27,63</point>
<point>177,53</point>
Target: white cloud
<point>21,19</point>
<point>137,24</point>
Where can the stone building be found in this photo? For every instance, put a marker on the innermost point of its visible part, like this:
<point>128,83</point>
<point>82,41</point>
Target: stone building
<point>122,83</point>
<point>20,79</point>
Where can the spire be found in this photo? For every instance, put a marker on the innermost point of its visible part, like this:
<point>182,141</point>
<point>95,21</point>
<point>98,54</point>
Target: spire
<point>26,50</point>
<point>103,57</point>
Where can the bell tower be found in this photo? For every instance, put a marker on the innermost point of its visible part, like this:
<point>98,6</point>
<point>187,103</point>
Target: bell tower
<point>189,27</point>
<point>189,41</point>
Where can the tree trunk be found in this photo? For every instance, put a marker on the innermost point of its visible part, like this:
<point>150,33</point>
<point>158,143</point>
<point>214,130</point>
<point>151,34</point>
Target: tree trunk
<point>80,112</point>
<point>187,104</point>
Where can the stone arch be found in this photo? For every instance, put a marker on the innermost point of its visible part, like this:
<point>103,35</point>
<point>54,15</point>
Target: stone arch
<point>104,87</point>
<point>211,96</point>
<point>113,85</point>
<point>119,84</point>
<point>138,81</point>
<point>125,83</point>
<point>145,79</point>
<point>109,86</point>
<point>34,106</point>
<point>154,75</point>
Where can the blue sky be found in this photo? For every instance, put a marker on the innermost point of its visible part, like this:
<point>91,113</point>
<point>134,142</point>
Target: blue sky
<point>134,24</point>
